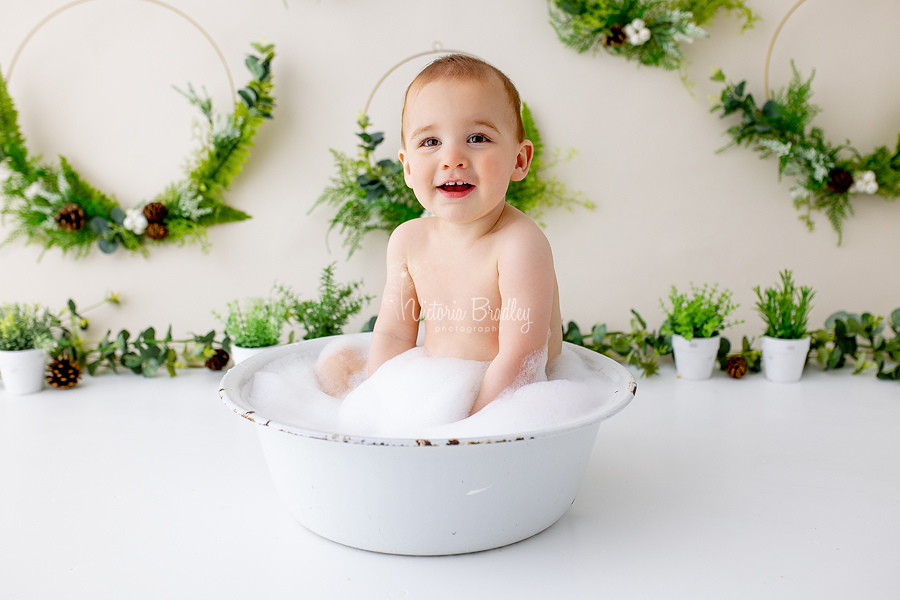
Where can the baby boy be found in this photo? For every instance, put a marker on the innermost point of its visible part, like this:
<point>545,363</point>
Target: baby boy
<point>478,276</point>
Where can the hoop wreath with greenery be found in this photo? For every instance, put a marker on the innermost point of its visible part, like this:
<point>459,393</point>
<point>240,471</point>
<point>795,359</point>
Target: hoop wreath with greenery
<point>372,195</point>
<point>54,207</point>
<point>827,176</point>
<point>647,31</point>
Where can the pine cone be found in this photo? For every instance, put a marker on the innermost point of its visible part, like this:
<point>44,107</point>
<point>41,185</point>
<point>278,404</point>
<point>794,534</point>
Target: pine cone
<point>839,180</point>
<point>615,37</point>
<point>217,361</point>
<point>70,217</point>
<point>155,212</point>
<point>156,231</point>
<point>63,373</point>
<point>736,367</point>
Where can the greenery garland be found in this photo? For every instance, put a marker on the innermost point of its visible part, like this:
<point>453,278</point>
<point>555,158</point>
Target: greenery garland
<point>647,31</point>
<point>826,178</point>
<point>54,207</point>
<point>372,195</point>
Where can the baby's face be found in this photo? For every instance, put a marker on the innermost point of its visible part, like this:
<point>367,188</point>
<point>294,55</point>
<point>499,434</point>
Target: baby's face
<point>461,149</point>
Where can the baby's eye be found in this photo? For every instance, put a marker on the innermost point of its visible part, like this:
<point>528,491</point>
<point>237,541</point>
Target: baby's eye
<point>477,139</point>
<point>430,142</point>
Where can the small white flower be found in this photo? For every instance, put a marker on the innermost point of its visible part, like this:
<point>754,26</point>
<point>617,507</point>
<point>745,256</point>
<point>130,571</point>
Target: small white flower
<point>135,221</point>
<point>637,32</point>
<point>34,190</point>
<point>864,181</point>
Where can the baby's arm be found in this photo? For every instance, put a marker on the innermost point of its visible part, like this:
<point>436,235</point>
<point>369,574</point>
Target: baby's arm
<point>396,327</point>
<point>527,282</point>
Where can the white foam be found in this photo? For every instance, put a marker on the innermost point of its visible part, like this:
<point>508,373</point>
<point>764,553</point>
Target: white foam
<point>417,396</point>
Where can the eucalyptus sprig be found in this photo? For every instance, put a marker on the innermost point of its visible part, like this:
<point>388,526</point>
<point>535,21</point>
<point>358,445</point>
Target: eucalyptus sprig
<point>639,347</point>
<point>144,354</point>
<point>785,309</point>
<point>860,339</point>
<point>751,356</point>
<point>827,176</point>
<point>372,194</point>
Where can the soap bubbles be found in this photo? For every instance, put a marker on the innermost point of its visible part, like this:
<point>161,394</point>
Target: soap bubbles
<point>416,396</point>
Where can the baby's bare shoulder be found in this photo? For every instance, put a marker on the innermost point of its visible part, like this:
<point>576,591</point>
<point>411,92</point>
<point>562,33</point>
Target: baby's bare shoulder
<point>407,236</point>
<point>520,235</point>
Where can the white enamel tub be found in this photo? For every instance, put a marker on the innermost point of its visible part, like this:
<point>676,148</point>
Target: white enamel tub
<point>425,496</point>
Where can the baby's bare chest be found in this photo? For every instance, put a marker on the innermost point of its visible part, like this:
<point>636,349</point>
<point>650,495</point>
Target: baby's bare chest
<point>456,287</point>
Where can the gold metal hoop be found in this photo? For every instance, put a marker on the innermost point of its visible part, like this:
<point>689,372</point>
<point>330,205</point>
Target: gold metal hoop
<point>775,37</point>
<point>62,9</point>
<point>436,48</point>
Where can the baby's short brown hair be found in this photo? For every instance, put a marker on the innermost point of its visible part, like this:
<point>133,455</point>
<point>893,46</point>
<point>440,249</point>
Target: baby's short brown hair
<point>465,68</point>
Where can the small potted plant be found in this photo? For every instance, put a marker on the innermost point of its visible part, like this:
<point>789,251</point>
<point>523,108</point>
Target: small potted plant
<point>24,339</point>
<point>785,344</point>
<point>330,313</point>
<point>255,326</point>
<point>694,323</point>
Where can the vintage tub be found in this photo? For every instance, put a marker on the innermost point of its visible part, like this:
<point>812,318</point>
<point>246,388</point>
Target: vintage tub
<point>425,496</point>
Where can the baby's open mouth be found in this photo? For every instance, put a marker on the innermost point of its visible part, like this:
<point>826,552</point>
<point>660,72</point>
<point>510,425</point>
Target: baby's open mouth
<point>456,186</point>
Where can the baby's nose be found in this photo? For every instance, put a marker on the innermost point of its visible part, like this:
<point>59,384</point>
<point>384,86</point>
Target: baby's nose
<point>455,160</point>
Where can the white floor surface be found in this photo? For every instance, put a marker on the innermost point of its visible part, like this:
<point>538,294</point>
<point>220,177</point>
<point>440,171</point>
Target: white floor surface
<point>134,488</point>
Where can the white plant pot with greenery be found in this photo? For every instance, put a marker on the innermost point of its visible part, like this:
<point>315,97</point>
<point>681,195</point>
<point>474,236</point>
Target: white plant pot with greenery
<point>695,358</point>
<point>239,353</point>
<point>695,324</point>
<point>783,360</point>
<point>785,345</point>
<point>254,326</point>
<point>24,332</point>
<point>22,371</point>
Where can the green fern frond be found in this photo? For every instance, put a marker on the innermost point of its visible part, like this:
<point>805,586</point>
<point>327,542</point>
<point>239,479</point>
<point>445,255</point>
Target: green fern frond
<point>12,144</point>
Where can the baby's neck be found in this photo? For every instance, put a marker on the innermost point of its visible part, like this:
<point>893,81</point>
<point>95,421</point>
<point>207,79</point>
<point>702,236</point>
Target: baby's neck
<point>468,233</point>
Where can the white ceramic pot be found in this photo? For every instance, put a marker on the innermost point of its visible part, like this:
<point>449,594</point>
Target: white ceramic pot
<point>783,360</point>
<point>22,371</point>
<point>426,496</point>
<point>695,359</point>
<point>239,354</point>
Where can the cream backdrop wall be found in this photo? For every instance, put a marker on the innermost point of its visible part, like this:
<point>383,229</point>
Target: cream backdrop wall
<point>94,85</point>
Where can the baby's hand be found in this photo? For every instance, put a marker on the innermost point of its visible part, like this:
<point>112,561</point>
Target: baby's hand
<point>338,373</point>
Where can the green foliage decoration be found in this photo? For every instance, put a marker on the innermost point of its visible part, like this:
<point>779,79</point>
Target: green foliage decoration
<point>827,176</point>
<point>372,194</point>
<point>330,313</point>
<point>701,315</point>
<point>36,195</point>
<point>25,327</point>
<point>616,25</point>
<point>752,357</point>
<point>145,354</point>
<point>257,323</point>
<point>639,347</point>
<point>859,339</point>
<point>785,309</point>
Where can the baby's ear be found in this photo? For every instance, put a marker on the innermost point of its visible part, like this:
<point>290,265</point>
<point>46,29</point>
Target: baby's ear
<point>401,153</point>
<point>523,160</point>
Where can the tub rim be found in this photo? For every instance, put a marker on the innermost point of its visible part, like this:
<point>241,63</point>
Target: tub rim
<point>231,383</point>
